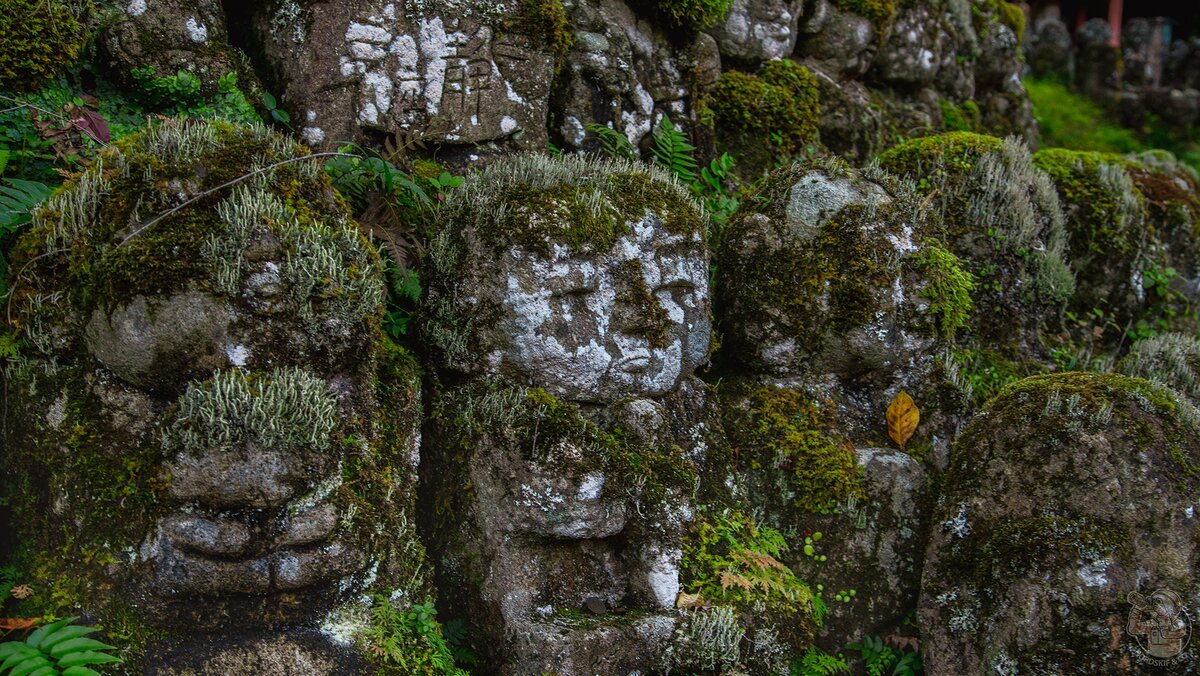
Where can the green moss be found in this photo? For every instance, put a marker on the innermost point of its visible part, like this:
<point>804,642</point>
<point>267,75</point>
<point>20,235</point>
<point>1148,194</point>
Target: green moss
<point>1103,220</point>
<point>783,430</point>
<point>40,39</point>
<point>535,202</point>
<point>693,16</point>
<point>948,288</point>
<point>549,19</point>
<point>1014,17</point>
<point>765,116</point>
<point>957,151</point>
<point>805,290</point>
<point>136,185</point>
<point>959,118</point>
<point>879,12</point>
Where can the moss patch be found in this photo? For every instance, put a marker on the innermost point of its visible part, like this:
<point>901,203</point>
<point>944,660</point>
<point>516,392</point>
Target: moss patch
<point>40,38</point>
<point>948,288</point>
<point>783,430</point>
<point>763,117</point>
<point>956,151</point>
<point>693,16</point>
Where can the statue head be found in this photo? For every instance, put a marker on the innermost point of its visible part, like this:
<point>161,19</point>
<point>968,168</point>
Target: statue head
<point>200,405</point>
<point>586,278</point>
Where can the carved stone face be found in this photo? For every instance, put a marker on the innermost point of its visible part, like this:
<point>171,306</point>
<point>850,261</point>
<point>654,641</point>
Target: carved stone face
<point>223,394</point>
<point>596,328</point>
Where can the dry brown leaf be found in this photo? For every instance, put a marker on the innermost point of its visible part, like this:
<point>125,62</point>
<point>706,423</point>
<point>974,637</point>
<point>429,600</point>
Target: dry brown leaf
<point>21,592</point>
<point>8,624</point>
<point>729,579</point>
<point>903,416</point>
<point>685,600</point>
<point>902,642</point>
<point>759,559</point>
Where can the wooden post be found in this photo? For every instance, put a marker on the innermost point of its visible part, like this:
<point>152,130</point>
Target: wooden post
<point>1115,10</point>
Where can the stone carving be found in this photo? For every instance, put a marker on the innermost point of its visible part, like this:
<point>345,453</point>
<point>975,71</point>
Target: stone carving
<point>202,428</point>
<point>626,72</point>
<point>573,296</point>
<point>466,73</point>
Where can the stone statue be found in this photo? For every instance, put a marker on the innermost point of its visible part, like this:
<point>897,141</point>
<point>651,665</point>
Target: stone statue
<point>211,437</point>
<point>569,311</point>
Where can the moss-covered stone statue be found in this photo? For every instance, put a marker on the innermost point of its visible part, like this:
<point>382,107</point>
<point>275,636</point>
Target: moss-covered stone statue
<point>568,312</point>
<point>213,446</point>
<point>835,294</point>
<point>1065,536</point>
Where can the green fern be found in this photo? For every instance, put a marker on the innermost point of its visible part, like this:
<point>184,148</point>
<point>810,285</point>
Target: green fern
<point>17,200</point>
<point>56,648</point>
<point>673,153</point>
<point>613,143</point>
<point>817,662</point>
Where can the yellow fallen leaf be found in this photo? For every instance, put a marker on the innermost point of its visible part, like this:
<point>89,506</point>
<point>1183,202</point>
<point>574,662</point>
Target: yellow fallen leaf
<point>685,600</point>
<point>903,416</point>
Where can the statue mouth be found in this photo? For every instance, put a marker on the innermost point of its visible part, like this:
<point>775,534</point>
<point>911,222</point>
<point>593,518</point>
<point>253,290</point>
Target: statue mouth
<point>192,555</point>
<point>637,363</point>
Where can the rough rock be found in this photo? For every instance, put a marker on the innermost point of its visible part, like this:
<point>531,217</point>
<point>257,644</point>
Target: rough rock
<point>1049,52</point>
<point>875,547</point>
<point>844,46</point>
<point>824,283</point>
<point>759,30</point>
<point>1096,63</point>
<point>1079,548</point>
<point>584,338</point>
<point>172,35</point>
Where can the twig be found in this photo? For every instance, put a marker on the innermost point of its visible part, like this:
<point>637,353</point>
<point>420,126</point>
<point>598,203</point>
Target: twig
<point>224,185</point>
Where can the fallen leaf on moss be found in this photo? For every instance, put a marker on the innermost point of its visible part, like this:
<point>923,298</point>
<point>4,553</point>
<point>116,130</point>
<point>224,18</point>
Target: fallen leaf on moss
<point>903,416</point>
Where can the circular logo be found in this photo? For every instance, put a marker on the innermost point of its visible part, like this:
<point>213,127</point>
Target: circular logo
<point>1159,623</point>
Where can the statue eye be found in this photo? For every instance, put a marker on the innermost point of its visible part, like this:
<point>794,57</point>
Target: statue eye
<point>677,287</point>
<point>574,292</point>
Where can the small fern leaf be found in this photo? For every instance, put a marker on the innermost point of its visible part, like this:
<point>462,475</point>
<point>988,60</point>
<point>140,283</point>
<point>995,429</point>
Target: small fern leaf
<point>673,153</point>
<point>17,200</point>
<point>613,143</point>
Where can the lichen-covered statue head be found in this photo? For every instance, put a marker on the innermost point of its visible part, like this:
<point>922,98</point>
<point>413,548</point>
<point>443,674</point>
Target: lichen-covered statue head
<point>199,421</point>
<point>586,278</point>
<point>568,312</point>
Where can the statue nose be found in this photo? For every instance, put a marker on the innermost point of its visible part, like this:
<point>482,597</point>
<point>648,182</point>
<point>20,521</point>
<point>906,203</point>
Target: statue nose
<point>237,478</point>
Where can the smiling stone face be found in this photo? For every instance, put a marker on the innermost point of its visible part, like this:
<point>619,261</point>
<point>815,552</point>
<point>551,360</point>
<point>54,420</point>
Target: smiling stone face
<point>588,279</point>
<point>596,328</point>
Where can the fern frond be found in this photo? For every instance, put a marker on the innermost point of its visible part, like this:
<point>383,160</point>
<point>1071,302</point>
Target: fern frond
<point>17,200</point>
<point>613,143</point>
<point>673,153</point>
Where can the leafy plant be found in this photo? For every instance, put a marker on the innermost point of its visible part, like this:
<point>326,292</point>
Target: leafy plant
<point>404,292</point>
<point>278,114</point>
<point>17,200</point>
<point>673,152</point>
<point>817,662</point>
<point>408,641</point>
<point>613,143</point>
<point>56,648</point>
<point>878,658</point>
<point>455,632</point>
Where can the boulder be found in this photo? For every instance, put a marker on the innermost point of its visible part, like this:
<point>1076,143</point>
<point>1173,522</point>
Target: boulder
<point>1084,556</point>
<point>758,30</point>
